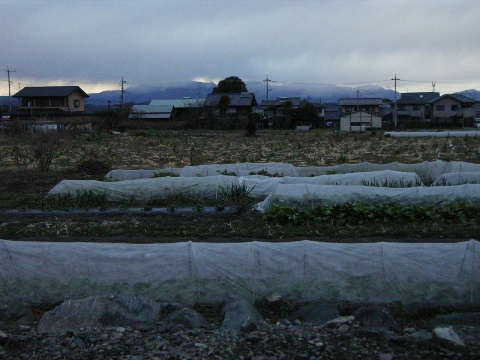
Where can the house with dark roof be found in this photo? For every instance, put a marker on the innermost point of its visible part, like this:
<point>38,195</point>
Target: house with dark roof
<point>374,106</point>
<point>370,105</point>
<point>453,110</point>
<point>50,103</point>
<point>414,109</point>
<point>240,105</point>
<point>278,107</point>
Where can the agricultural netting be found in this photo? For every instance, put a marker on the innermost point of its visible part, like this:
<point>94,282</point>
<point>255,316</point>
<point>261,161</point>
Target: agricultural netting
<point>188,273</point>
<point>259,186</point>
<point>387,178</point>
<point>211,188</point>
<point>241,169</point>
<point>457,133</point>
<point>457,178</point>
<point>427,171</point>
<point>307,196</point>
<point>119,174</point>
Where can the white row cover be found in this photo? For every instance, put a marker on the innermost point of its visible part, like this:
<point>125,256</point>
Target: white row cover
<point>119,175</point>
<point>241,169</point>
<point>144,189</point>
<point>372,178</point>
<point>306,196</point>
<point>456,133</point>
<point>428,171</point>
<point>189,273</point>
<point>457,178</point>
<point>260,186</point>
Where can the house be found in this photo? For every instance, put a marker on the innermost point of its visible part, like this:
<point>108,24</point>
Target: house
<point>360,121</point>
<point>180,106</point>
<point>371,105</point>
<point>240,104</point>
<point>279,107</point>
<point>165,109</point>
<point>332,114</point>
<point>453,110</point>
<point>414,109</point>
<point>151,112</point>
<point>51,104</point>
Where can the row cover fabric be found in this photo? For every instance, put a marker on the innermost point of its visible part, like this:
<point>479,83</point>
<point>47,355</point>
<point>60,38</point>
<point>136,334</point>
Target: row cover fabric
<point>428,171</point>
<point>188,273</point>
<point>457,178</point>
<point>144,189</point>
<point>259,186</point>
<point>372,178</point>
<point>455,133</point>
<point>119,175</point>
<point>307,196</point>
<point>241,169</point>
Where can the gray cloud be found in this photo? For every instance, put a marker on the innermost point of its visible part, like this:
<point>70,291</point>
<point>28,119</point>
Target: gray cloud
<point>152,42</point>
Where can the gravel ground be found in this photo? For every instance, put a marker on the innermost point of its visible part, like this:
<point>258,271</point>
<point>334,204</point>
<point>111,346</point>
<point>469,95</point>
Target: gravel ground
<point>280,340</point>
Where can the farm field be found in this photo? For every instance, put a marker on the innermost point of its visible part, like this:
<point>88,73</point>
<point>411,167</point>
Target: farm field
<point>81,156</point>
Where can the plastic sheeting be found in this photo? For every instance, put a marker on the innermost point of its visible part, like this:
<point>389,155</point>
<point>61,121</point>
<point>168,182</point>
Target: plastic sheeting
<point>260,186</point>
<point>455,133</point>
<point>306,196</point>
<point>119,174</point>
<point>373,178</point>
<point>242,169</point>
<point>457,178</point>
<point>428,171</point>
<point>144,189</point>
<point>188,273</point>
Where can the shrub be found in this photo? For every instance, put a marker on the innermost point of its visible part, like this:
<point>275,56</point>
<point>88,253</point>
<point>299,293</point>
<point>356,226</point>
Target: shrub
<point>44,147</point>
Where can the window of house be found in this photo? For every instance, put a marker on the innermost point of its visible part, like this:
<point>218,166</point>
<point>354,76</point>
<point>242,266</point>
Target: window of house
<point>440,107</point>
<point>56,102</point>
<point>76,103</point>
<point>401,108</point>
<point>416,107</point>
<point>454,108</point>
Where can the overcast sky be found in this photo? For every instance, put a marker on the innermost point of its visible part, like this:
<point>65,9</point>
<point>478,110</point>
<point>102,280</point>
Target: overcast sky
<point>93,43</point>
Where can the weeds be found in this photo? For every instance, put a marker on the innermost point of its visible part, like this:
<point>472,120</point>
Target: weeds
<point>164,174</point>
<point>392,183</point>
<point>81,199</point>
<point>238,194</point>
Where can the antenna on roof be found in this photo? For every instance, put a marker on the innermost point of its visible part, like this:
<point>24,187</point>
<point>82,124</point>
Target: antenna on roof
<point>433,86</point>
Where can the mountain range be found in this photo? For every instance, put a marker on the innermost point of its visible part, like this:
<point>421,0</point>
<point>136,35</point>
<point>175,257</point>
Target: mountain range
<point>199,90</point>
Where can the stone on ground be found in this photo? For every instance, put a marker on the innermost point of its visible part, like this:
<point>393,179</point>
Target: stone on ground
<point>376,318</point>
<point>95,311</point>
<point>240,315</point>
<point>187,317</point>
<point>317,313</point>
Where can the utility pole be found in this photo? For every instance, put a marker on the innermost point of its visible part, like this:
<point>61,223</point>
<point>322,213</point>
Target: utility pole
<point>395,103</point>
<point>267,80</point>
<point>9,84</point>
<point>122,82</point>
<point>433,86</point>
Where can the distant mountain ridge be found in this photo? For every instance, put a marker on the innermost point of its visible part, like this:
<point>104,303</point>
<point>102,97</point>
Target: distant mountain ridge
<point>472,94</point>
<point>325,93</point>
